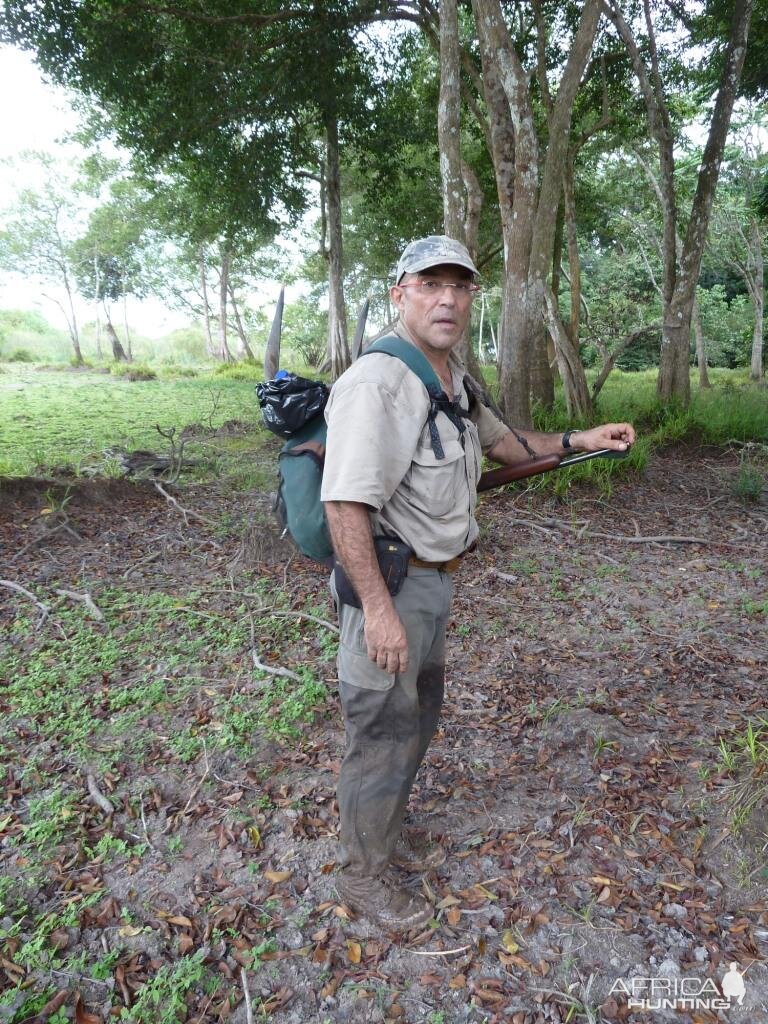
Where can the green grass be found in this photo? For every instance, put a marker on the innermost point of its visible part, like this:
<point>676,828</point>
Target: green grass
<point>52,419</point>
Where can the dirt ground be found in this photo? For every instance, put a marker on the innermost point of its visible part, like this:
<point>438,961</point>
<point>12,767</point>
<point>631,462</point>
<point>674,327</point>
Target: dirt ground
<point>575,782</point>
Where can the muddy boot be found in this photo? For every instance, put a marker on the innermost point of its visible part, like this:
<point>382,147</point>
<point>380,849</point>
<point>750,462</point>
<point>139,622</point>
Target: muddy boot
<point>383,902</point>
<point>415,850</point>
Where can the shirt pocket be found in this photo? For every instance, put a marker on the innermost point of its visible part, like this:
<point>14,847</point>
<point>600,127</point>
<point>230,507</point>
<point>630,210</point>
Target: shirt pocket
<point>436,486</point>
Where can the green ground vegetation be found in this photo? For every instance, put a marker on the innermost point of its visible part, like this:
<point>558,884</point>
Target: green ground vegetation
<point>51,419</point>
<point>164,682</point>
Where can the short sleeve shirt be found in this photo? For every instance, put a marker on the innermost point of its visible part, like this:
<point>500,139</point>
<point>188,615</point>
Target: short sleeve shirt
<point>379,453</point>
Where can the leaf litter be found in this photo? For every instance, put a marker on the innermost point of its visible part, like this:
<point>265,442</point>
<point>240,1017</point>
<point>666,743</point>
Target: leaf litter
<point>576,779</point>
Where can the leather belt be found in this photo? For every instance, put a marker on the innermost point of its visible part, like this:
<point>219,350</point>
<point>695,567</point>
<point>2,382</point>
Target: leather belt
<point>450,566</point>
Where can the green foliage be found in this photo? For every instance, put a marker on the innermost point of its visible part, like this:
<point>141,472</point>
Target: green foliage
<point>63,419</point>
<point>161,1000</point>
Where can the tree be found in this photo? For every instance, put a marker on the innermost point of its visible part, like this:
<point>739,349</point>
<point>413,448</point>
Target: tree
<point>680,278</point>
<point>230,102</point>
<point>37,240</point>
<point>535,180</point>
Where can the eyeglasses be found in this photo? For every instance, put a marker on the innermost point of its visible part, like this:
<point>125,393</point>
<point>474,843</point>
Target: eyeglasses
<point>429,286</point>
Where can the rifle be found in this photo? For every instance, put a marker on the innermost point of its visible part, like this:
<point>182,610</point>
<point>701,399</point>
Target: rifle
<point>543,464</point>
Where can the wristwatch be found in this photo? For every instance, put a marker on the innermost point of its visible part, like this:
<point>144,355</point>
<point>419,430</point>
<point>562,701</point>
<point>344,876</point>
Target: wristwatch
<point>566,441</point>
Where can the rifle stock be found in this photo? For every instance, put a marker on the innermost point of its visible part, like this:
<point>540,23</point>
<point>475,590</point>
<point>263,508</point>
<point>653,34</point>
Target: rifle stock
<point>518,471</point>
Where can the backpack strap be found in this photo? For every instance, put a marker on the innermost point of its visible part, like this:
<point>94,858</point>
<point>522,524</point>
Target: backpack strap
<point>418,363</point>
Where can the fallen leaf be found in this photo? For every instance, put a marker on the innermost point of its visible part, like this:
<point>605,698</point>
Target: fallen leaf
<point>186,942</point>
<point>277,876</point>
<point>129,931</point>
<point>458,981</point>
<point>605,894</point>
<point>509,943</point>
<point>82,1016</point>
<point>453,916</point>
<point>354,951</point>
<point>181,921</point>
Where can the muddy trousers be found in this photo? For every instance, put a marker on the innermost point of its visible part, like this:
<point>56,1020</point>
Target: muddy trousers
<point>389,720</point>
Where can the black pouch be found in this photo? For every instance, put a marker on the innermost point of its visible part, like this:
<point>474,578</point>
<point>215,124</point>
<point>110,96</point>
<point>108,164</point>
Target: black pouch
<point>393,557</point>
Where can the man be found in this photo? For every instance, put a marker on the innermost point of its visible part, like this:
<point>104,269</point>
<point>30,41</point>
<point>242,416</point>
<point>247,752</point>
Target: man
<point>385,474</point>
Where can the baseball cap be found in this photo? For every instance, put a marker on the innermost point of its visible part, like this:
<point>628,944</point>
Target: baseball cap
<point>423,253</point>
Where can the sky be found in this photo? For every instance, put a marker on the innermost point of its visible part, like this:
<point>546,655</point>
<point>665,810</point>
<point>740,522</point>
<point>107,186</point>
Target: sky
<point>37,115</point>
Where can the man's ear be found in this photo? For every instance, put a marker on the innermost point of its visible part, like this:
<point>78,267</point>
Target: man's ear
<point>396,294</point>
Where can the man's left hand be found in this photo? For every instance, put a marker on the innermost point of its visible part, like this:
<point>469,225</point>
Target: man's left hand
<point>617,436</point>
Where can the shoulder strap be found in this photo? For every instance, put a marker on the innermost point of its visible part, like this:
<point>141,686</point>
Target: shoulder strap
<point>413,358</point>
<point>418,363</point>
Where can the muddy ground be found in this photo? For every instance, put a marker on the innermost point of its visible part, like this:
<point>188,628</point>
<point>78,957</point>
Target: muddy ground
<point>576,780</point>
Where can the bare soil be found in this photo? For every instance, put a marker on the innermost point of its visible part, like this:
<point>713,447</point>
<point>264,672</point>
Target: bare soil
<point>575,782</point>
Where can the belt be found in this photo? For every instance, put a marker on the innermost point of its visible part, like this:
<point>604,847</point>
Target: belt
<point>450,566</point>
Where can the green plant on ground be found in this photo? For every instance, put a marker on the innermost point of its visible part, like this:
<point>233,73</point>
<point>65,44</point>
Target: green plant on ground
<point>745,757</point>
<point>161,1000</point>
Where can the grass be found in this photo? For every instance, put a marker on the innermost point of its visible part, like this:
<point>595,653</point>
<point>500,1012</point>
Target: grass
<point>164,680</point>
<point>54,419</point>
<point>745,758</point>
<point>50,418</point>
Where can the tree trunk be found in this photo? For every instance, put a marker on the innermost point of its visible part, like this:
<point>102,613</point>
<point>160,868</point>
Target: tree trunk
<point>272,353</point>
<point>679,287</point>
<point>509,106</point>
<point>701,355</point>
<point>128,341</point>
<point>72,321</point>
<point>97,283</point>
<point>448,122</point>
<point>118,352</point>
<point>209,346</point>
<point>338,347</point>
<point>362,319</point>
<point>758,299</point>
<point>224,353</point>
<point>245,349</point>
<point>577,397</point>
<point>542,380</point>
<point>529,250</point>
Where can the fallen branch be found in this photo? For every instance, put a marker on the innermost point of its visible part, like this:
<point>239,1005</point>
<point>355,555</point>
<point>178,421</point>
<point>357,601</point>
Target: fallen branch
<point>269,669</point>
<point>202,779</point>
<point>93,610</point>
<point>150,844</point>
<point>247,994</point>
<point>18,589</point>
<point>273,671</point>
<point>184,511</point>
<point>439,952</point>
<point>660,539</point>
<point>44,537</point>
<point>98,797</point>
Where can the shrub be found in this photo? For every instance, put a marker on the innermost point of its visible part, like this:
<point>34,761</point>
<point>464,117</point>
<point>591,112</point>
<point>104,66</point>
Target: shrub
<point>20,355</point>
<point>133,371</point>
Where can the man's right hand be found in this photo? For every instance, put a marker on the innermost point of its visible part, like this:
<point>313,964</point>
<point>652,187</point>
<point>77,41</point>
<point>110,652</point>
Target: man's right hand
<point>385,637</point>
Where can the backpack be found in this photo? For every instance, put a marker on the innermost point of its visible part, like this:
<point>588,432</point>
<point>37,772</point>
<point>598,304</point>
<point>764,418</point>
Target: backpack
<point>300,463</point>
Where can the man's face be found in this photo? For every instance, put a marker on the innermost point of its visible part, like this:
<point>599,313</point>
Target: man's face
<point>435,320</point>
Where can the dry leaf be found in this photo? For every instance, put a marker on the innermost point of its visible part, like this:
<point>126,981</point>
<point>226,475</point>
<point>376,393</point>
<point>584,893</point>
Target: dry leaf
<point>354,951</point>
<point>277,876</point>
<point>181,921</point>
<point>458,981</point>
<point>129,931</point>
<point>186,942</point>
<point>81,1014</point>
<point>255,836</point>
<point>509,943</point>
<point>605,894</point>
<point>453,916</point>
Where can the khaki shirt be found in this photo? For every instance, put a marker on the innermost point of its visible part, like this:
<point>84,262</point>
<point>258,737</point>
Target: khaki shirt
<point>379,454</point>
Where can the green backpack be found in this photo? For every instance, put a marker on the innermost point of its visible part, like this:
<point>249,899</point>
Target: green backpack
<point>300,463</point>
